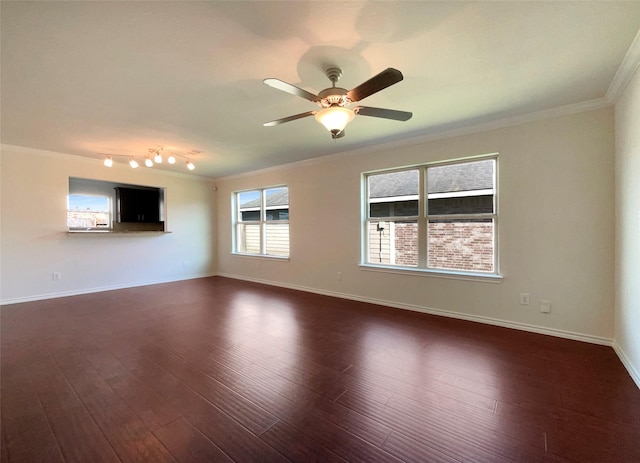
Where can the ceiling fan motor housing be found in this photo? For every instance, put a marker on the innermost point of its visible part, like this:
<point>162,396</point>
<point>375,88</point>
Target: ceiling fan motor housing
<point>333,96</point>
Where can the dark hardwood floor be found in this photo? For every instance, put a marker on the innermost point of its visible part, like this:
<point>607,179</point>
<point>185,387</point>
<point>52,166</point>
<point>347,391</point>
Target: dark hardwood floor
<point>222,370</point>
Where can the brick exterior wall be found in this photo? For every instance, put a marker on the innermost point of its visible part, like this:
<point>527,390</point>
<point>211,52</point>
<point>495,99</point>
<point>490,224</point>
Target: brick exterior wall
<point>461,246</point>
<point>453,245</point>
<point>406,243</point>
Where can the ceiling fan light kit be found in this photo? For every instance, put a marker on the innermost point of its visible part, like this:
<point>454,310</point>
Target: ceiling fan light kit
<point>335,118</point>
<point>334,101</point>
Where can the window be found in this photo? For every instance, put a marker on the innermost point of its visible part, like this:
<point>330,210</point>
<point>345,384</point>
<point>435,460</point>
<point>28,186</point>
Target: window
<point>100,206</point>
<point>88,212</point>
<point>262,222</point>
<point>440,217</point>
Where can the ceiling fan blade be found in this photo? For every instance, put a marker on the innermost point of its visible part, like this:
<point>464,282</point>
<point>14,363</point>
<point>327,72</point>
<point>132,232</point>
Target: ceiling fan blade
<point>288,119</point>
<point>378,82</point>
<point>285,87</point>
<point>384,113</point>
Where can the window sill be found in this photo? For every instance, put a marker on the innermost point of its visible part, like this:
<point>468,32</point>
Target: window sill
<point>112,232</point>
<point>260,256</point>
<point>487,278</point>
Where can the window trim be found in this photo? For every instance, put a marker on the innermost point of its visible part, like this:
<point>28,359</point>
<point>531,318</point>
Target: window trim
<point>433,273</point>
<point>263,208</point>
<point>423,218</point>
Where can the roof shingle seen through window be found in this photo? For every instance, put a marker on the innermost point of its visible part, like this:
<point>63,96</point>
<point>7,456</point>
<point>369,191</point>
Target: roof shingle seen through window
<point>275,197</point>
<point>467,176</point>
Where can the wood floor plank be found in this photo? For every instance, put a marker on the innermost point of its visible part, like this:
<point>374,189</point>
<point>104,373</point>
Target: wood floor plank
<point>233,439</point>
<point>176,394</point>
<point>147,404</point>
<point>301,416</point>
<point>325,380</point>
<point>363,427</point>
<point>4,456</point>
<point>617,442</point>
<point>346,445</point>
<point>431,391</point>
<point>517,441</point>
<point>296,446</point>
<point>233,404</point>
<point>21,410</point>
<point>410,450</point>
<point>76,433</point>
<point>305,378</point>
<point>26,451</point>
<point>32,437</point>
<point>429,434</point>
<point>311,417</point>
<point>78,436</point>
<point>126,432</point>
<point>188,444</point>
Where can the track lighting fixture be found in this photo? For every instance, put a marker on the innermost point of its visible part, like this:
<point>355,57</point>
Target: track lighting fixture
<point>155,155</point>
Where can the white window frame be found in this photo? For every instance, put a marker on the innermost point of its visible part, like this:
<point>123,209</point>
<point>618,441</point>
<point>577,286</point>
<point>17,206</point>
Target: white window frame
<point>423,218</point>
<point>262,222</point>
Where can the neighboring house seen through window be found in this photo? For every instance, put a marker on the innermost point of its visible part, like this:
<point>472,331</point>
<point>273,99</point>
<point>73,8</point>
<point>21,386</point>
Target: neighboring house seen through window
<point>435,217</point>
<point>86,212</point>
<point>262,222</point>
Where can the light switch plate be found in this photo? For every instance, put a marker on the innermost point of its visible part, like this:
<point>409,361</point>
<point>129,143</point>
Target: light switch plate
<point>545,306</point>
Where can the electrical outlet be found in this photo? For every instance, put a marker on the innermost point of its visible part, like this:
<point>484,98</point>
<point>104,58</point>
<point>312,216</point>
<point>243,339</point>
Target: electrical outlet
<point>524,298</point>
<point>185,263</point>
<point>339,276</point>
<point>257,265</point>
<point>545,306</point>
<point>56,276</point>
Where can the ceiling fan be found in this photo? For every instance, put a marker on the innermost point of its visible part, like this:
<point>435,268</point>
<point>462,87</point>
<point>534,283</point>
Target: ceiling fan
<point>335,101</point>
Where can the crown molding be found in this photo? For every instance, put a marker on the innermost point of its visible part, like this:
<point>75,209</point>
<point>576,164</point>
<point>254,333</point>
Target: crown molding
<point>439,133</point>
<point>625,72</point>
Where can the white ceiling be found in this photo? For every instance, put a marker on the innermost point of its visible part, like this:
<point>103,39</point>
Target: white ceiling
<point>121,77</point>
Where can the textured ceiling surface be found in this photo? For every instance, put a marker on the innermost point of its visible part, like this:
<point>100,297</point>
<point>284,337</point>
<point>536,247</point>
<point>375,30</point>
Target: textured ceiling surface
<point>120,77</point>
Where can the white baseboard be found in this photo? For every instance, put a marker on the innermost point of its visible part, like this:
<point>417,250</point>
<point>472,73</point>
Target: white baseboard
<point>445,313</point>
<point>40,297</point>
<point>635,374</point>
